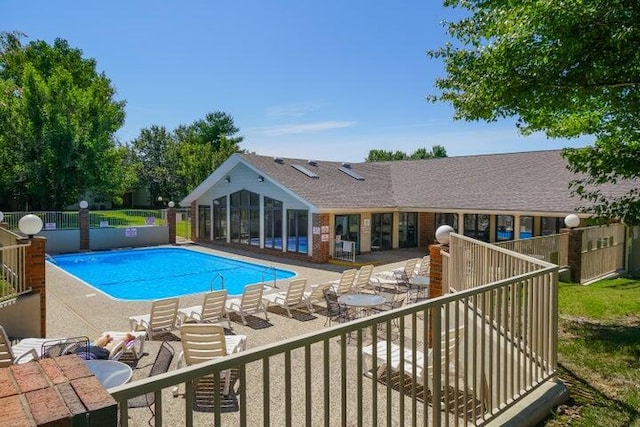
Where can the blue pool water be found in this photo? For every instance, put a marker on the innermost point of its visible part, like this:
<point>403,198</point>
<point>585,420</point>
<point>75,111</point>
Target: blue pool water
<point>148,274</point>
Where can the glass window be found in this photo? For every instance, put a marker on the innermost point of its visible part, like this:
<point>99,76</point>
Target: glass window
<point>550,225</point>
<point>408,230</point>
<point>220,218</point>
<point>272,223</point>
<point>504,230</point>
<point>204,222</point>
<point>447,219</point>
<point>477,226</point>
<point>245,218</point>
<point>526,227</point>
<point>298,230</point>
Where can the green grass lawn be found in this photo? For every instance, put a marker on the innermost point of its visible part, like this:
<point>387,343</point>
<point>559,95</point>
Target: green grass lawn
<point>599,353</point>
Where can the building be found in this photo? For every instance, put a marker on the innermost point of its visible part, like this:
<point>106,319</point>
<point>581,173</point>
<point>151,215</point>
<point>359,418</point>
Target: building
<point>310,208</point>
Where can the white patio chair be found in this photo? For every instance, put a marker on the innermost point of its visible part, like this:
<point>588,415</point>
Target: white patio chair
<point>250,303</point>
<point>212,310</point>
<point>345,284</point>
<point>163,317</point>
<point>315,295</point>
<point>292,298</point>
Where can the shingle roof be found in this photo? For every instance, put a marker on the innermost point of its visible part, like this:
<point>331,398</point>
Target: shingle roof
<point>534,181</point>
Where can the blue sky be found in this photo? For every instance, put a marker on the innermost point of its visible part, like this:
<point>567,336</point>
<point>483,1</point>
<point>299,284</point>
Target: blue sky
<point>324,80</point>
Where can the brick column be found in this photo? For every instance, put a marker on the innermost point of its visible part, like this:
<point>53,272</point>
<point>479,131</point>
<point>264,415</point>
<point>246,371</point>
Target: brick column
<point>320,248</point>
<point>171,222</point>
<point>426,227</point>
<point>35,277</point>
<point>575,254</point>
<point>192,218</point>
<point>435,278</point>
<point>83,223</point>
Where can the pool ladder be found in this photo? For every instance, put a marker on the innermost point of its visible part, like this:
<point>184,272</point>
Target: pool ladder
<point>273,269</point>
<point>217,275</point>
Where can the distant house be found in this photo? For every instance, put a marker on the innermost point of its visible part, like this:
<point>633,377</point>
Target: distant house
<point>302,207</point>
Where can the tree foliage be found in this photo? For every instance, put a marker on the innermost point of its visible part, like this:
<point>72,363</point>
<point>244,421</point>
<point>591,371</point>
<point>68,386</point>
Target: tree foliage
<point>58,117</point>
<point>420,153</point>
<point>173,163</point>
<point>566,68</point>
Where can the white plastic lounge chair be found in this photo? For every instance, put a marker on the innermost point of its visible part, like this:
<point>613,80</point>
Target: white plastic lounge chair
<point>398,276</point>
<point>162,318</point>
<point>118,347</point>
<point>448,345</point>
<point>12,355</point>
<point>345,284</point>
<point>315,295</point>
<point>363,280</point>
<point>250,302</point>
<point>425,266</point>
<point>202,342</point>
<point>292,298</point>
<point>212,310</point>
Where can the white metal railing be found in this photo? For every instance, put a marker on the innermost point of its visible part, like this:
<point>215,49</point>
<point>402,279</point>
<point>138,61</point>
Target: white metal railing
<point>344,250</point>
<point>51,220</point>
<point>127,218</point>
<point>602,251</point>
<point>490,344</point>
<point>553,248</point>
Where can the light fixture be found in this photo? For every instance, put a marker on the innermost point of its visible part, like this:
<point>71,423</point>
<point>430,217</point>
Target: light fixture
<point>1,216</point>
<point>171,204</point>
<point>260,178</point>
<point>442,234</point>
<point>572,220</point>
<point>160,199</point>
<point>30,224</point>
<point>227,179</point>
<point>83,204</point>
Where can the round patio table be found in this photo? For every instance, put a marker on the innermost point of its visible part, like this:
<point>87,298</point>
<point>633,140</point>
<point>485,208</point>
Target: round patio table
<point>421,283</point>
<point>110,373</point>
<point>361,300</point>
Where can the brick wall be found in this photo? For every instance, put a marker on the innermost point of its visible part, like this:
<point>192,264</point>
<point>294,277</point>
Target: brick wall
<point>320,248</point>
<point>426,227</point>
<point>171,222</point>
<point>194,225</point>
<point>35,276</point>
<point>83,223</point>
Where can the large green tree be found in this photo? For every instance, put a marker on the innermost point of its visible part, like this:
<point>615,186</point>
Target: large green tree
<point>566,68</point>
<point>421,153</point>
<point>58,117</point>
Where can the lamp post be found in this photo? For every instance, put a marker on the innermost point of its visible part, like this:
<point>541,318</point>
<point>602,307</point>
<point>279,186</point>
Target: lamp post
<point>30,224</point>
<point>83,204</point>
<point>572,220</point>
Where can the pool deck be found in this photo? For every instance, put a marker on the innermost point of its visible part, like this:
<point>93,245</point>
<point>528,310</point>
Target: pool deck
<point>75,309</point>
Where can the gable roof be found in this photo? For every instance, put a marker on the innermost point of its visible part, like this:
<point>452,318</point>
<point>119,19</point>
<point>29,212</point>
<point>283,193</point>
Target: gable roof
<point>535,181</point>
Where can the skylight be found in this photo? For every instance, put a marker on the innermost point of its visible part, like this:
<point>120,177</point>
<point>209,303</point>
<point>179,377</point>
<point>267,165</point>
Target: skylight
<point>351,173</point>
<point>305,171</point>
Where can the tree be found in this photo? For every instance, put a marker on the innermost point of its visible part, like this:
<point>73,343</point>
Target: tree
<point>58,118</point>
<point>565,68</point>
<point>420,153</point>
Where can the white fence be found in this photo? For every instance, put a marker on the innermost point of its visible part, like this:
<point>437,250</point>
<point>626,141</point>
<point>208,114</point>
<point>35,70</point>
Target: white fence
<point>603,251</point>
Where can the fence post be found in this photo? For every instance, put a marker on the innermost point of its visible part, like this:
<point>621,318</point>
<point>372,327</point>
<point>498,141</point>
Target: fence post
<point>574,256</point>
<point>35,277</point>
<point>194,224</point>
<point>83,223</point>
<point>435,279</point>
<point>171,220</point>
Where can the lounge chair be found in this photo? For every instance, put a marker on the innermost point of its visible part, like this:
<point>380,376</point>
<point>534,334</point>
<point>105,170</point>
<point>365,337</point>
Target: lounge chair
<point>202,342</point>
<point>363,280</point>
<point>345,284</point>
<point>250,302</point>
<point>160,365</point>
<point>315,295</point>
<point>11,355</point>
<point>162,318</point>
<point>292,298</point>
<point>398,276</point>
<point>424,267</point>
<point>448,346</point>
<point>119,346</point>
<point>212,309</point>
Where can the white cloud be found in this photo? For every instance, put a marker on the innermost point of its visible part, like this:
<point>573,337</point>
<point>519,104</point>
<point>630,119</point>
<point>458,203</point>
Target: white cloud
<point>291,110</point>
<point>291,129</point>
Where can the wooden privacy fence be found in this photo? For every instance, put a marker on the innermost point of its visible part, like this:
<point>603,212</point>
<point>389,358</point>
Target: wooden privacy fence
<point>603,251</point>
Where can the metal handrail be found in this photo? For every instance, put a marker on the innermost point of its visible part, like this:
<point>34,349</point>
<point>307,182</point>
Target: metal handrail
<point>217,275</point>
<point>275,279</point>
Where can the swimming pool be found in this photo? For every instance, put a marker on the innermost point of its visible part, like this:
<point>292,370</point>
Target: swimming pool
<point>148,274</point>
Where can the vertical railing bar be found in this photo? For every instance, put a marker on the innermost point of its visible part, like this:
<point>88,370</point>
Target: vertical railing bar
<point>401,409</point>
<point>426,331</point>
<point>446,363</point>
<point>499,342</point>
<point>343,380</point>
<point>307,384</point>
<point>287,388</point>
<point>124,414</point>
<point>388,375</point>
<point>374,380</point>
<point>359,375</point>
<point>157,402</point>
<point>401,370</point>
<point>217,416</point>
<point>436,355</point>
<point>327,420</point>
<point>266,393</point>
<point>242,374</point>
<point>188,403</point>
<point>414,390</point>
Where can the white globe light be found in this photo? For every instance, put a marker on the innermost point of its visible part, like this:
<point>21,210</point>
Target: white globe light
<point>83,204</point>
<point>442,234</point>
<point>572,220</point>
<point>171,204</point>
<point>1,216</point>
<point>30,224</point>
